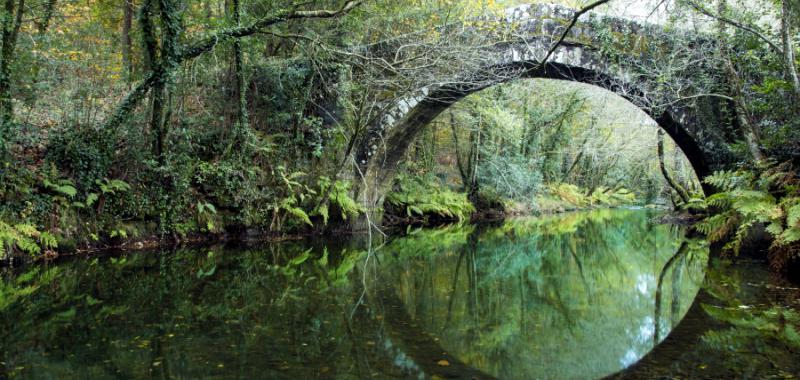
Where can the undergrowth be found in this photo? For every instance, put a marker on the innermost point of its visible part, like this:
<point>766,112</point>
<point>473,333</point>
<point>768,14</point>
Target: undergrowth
<point>746,200</point>
<point>600,196</point>
<point>419,196</point>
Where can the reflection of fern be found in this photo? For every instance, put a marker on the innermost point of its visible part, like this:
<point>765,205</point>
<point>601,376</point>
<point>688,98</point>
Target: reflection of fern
<point>748,324</point>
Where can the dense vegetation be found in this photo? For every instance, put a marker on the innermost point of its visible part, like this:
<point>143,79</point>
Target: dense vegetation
<point>520,154</point>
<point>380,148</point>
<point>173,119</point>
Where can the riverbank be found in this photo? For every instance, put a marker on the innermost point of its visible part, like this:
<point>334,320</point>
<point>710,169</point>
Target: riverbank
<point>136,237</point>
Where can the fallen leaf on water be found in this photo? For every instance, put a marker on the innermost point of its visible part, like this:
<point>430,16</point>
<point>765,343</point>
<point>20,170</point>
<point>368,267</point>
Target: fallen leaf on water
<point>443,363</point>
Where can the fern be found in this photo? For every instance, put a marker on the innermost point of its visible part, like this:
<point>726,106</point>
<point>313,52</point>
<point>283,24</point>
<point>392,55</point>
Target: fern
<point>718,227</point>
<point>24,238</point>
<point>570,193</point>
<point>746,200</point>
<point>696,204</point>
<point>61,187</point>
<point>421,197</point>
<point>729,180</point>
<point>289,205</point>
<point>720,200</point>
<point>112,186</point>
<point>601,196</point>
<point>338,194</point>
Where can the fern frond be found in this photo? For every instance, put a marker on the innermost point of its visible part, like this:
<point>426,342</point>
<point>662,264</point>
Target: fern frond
<point>717,227</point>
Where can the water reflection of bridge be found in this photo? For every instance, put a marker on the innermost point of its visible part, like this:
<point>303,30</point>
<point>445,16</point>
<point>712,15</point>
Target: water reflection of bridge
<point>539,299</point>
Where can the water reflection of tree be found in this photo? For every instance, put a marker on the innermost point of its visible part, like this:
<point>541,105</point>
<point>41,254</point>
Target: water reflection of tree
<point>291,310</point>
<point>282,311</point>
<point>495,299</point>
<point>691,254</point>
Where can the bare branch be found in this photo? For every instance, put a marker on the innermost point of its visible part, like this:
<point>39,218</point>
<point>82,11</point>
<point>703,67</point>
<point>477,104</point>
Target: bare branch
<point>747,28</point>
<point>572,23</point>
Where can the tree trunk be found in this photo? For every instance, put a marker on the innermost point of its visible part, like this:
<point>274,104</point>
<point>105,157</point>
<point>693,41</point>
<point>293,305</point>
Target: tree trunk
<point>209,10</point>
<point>156,79</point>
<point>171,29</point>
<point>743,113</point>
<point>737,88</point>
<point>11,23</point>
<point>462,169</point>
<point>157,119</point>
<point>49,9</point>
<point>472,192</point>
<point>241,92</point>
<point>672,183</point>
<point>127,43</point>
<point>788,48</point>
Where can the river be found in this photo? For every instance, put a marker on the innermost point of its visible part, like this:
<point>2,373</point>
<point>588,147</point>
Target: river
<point>581,295</point>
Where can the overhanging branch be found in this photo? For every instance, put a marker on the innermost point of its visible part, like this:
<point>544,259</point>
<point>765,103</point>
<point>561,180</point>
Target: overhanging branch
<point>194,50</point>
<point>572,23</point>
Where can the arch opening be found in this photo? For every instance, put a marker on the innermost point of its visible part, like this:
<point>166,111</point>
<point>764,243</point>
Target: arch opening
<point>426,118</point>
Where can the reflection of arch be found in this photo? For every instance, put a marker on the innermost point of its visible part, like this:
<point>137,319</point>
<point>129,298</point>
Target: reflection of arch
<point>552,308</point>
<point>421,347</point>
<point>660,284</point>
<point>580,60</point>
<point>686,334</point>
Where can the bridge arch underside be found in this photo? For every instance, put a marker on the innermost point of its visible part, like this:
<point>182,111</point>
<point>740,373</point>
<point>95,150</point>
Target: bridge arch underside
<point>380,156</point>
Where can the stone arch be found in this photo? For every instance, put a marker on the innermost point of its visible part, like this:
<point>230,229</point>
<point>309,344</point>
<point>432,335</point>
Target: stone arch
<point>577,59</point>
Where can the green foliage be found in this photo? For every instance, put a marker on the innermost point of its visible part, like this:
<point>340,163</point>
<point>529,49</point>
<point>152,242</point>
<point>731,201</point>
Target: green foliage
<point>288,208</point>
<point>112,186</point>
<point>338,198</point>
<point>612,197</point>
<point>421,197</point>
<point>11,293</point>
<point>747,199</point>
<point>62,187</point>
<point>752,323</point>
<point>84,152</point>
<point>570,193</point>
<point>601,196</point>
<point>24,238</point>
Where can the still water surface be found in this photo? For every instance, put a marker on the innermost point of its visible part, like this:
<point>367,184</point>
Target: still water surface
<point>581,295</point>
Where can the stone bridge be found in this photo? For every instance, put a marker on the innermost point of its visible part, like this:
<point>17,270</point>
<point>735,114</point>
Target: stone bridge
<point>651,67</point>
